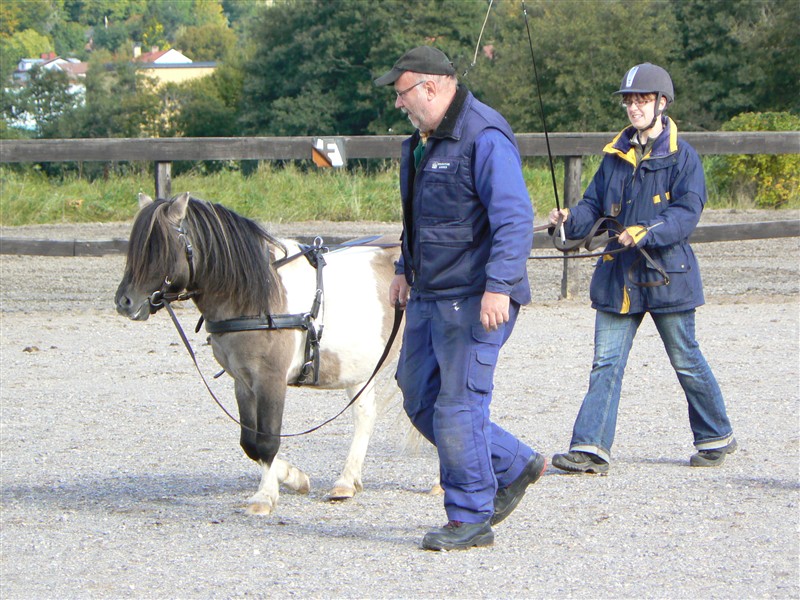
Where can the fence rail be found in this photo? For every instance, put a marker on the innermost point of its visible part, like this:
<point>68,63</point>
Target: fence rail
<point>378,146</point>
<point>570,146</point>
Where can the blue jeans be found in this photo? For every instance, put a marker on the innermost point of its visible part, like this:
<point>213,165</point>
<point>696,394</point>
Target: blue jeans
<point>613,337</point>
<point>446,373</point>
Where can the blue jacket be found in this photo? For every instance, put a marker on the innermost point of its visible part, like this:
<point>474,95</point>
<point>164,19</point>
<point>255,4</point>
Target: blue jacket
<point>665,193</point>
<point>467,216</point>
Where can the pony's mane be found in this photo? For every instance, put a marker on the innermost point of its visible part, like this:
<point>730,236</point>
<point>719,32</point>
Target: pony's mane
<point>232,254</point>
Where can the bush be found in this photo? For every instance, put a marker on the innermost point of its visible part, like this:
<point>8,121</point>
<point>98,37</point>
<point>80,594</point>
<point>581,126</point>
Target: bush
<point>772,180</point>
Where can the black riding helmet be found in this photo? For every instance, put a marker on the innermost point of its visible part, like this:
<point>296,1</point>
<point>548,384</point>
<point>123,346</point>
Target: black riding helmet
<point>648,78</point>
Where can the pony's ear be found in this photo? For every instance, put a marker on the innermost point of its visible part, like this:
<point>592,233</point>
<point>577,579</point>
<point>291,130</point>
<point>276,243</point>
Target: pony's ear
<point>144,200</point>
<point>177,210</point>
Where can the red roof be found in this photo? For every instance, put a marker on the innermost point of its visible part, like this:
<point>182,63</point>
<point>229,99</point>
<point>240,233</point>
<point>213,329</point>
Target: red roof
<point>149,57</point>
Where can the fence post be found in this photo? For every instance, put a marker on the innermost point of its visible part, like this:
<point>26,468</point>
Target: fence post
<point>572,194</point>
<point>163,176</point>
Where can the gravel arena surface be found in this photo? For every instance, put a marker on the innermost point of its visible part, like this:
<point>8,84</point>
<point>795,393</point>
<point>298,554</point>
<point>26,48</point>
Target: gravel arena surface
<point>122,479</point>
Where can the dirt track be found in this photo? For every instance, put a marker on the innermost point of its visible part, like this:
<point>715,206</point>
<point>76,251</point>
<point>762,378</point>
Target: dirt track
<point>121,478</point>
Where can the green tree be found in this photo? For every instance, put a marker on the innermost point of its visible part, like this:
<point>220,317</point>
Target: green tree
<point>69,39</point>
<point>47,98</point>
<point>27,43</point>
<point>240,12</point>
<point>581,56</point>
<point>205,107</point>
<point>738,57</point>
<point>206,42</point>
<point>40,15</point>
<point>119,103</point>
<point>208,12</point>
<point>172,15</point>
<point>314,61</point>
<point>776,46</point>
<point>10,17</point>
<point>102,13</point>
<point>112,38</point>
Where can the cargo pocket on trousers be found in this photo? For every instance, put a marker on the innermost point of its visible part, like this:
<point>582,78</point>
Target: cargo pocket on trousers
<point>481,370</point>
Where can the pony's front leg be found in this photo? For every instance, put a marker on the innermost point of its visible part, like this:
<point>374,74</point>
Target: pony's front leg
<point>364,414</point>
<point>261,411</point>
<point>264,501</point>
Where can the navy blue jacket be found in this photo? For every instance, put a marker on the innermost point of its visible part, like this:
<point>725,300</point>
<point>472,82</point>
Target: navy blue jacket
<point>665,193</point>
<point>467,215</point>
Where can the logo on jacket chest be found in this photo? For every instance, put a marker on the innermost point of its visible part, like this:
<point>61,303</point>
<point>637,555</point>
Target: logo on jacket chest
<point>442,166</point>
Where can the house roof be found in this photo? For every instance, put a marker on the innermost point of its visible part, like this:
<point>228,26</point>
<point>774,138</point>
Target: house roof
<point>148,57</point>
<point>76,69</point>
<point>171,56</point>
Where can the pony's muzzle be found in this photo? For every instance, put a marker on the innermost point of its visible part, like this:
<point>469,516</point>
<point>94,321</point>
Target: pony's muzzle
<point>126,307</point>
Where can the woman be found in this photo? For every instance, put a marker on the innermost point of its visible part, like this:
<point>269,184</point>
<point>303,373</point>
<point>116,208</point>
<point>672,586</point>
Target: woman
<point>653,185</point>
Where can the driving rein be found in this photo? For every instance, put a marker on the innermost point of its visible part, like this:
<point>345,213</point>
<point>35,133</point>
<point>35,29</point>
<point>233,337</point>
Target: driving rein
<point>604,230</point>
<point>600,233</point>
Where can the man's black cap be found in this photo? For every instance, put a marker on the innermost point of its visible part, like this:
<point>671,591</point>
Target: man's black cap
<point>423,59</point>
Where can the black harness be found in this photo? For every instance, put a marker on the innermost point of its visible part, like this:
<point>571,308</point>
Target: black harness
<point>309,373</point>
<point>305,321</point>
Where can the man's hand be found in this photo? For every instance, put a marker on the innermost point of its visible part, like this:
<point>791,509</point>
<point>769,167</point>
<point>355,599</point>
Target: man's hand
<point>398,291</point>
<point>494,310</point>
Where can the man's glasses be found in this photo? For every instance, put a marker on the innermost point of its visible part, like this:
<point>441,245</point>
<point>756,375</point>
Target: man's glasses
<point>628,102</point>
<point>405,91</point>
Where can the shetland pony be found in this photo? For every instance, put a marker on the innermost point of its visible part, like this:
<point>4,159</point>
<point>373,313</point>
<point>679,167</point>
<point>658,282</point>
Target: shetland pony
<point>235,271</point>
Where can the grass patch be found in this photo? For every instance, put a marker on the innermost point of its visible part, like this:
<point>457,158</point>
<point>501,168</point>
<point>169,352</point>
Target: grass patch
<point>272,193</point>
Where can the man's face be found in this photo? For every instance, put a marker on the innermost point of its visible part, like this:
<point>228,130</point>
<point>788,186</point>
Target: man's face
<point>412,98</point>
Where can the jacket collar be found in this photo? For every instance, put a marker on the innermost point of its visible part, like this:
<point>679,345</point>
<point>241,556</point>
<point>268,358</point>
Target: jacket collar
<point>665,144</point>
<point>449,127</point>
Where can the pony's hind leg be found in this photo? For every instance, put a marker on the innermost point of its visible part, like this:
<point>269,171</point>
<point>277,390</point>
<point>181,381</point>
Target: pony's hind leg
<point>364,415</point>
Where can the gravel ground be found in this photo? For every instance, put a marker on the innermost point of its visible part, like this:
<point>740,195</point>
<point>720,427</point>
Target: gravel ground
<point>122,479</point>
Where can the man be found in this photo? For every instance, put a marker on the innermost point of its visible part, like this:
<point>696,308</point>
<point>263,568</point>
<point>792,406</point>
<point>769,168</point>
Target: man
<point>652,183</point>
<point>462,276</point>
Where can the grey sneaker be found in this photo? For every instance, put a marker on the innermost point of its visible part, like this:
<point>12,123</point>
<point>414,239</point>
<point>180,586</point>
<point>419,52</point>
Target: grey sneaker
<point>580,462</point>
<point>713,458</point>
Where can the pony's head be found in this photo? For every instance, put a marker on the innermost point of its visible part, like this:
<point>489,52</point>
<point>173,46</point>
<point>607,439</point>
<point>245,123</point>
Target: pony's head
<point>189,245</point>
<point>157,261</point>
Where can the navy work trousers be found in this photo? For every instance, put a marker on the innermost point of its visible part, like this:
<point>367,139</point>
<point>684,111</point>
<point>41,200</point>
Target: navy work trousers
<point>446,373</point>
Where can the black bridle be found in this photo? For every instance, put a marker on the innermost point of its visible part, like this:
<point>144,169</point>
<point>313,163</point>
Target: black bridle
<point>159,297</point>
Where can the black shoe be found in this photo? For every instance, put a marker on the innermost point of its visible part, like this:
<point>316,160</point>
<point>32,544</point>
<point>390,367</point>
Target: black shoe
<point>507,498</point>
<point>580,462</point>
<point>459,536</point>
<point>713,458</point>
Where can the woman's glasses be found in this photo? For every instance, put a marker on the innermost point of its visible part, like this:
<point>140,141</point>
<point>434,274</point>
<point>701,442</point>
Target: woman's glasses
<point>628,102</point>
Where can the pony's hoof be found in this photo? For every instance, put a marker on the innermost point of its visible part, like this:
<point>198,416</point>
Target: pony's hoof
<point>436,490</point>
<point>304,486</point>
<point>260,509</point>
<point>297,481</point>
<point>340,493</point>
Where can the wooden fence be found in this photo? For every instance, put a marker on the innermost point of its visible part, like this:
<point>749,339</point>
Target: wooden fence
<point>570,147</point>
